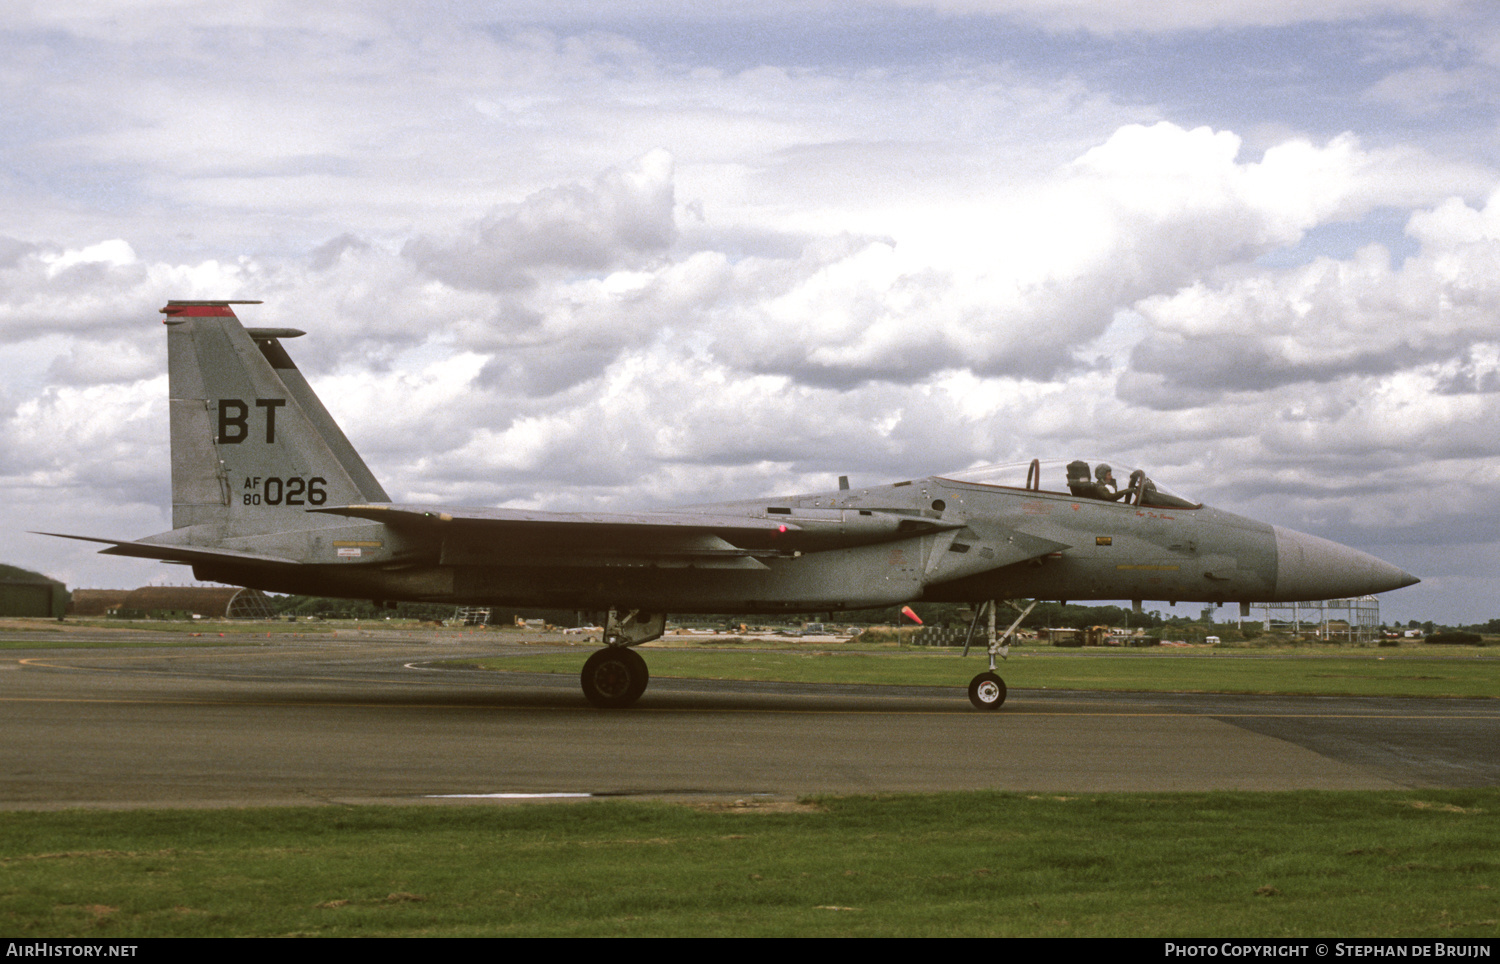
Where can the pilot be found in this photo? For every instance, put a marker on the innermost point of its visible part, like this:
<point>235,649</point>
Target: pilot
<point>1105,486</point>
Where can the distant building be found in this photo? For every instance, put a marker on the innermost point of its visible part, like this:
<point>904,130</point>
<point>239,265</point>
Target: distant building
<point>173,602</point>
<point>26,593</point>
<point>96,603</point>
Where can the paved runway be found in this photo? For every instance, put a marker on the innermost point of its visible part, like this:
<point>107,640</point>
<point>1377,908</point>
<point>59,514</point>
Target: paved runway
<point>305,720</point>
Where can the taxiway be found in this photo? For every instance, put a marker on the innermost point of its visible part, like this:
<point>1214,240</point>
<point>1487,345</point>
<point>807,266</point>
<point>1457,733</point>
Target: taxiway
<point>298,721</point>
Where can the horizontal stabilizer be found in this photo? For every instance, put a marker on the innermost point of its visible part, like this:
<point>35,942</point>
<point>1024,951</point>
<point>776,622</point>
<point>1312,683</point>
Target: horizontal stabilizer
<point>166,553</point>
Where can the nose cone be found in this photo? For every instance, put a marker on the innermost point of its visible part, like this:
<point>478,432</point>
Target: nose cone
<point>1311,568</point>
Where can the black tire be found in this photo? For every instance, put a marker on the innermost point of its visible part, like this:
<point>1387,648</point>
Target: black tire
<point>987,691</point>
<point>639,675</point>
<point>614,678</point>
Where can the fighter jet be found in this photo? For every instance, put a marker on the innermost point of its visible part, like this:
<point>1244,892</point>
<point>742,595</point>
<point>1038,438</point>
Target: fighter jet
<point>267,492</point>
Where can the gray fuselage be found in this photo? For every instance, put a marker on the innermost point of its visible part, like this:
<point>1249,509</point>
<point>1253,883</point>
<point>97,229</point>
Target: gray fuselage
<point>933,539</point>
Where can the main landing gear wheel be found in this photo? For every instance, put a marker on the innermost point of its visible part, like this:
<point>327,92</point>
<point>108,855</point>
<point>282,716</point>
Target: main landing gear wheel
<point>987,691</point>
<point>614,678</point>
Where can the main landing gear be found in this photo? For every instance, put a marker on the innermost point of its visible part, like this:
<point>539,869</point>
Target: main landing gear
<point>616,676</point>
<point>987,690</point>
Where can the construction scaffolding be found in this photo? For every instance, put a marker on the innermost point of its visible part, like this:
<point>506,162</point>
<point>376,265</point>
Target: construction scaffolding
<point>470,616</point>
<point>1336,620</point>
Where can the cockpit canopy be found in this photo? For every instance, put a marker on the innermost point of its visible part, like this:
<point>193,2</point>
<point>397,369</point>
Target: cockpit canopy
<point>1095,479</point>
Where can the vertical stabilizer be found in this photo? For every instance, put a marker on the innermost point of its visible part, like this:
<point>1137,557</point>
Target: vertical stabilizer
<point>252,447</point>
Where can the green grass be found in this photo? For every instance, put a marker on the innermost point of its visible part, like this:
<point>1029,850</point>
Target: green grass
<point>125,643</point>
<point>122,633</point>
<point>129,640</point>
<point>125,627</point>
<point>1370,675</point>
<point>1398,864</point>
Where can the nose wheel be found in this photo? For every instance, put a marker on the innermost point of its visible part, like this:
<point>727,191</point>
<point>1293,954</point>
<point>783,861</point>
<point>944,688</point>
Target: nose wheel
<point>987,691</point>
<point>614,678</point>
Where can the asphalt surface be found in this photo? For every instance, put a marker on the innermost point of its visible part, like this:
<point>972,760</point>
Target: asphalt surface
<point>305,720</point>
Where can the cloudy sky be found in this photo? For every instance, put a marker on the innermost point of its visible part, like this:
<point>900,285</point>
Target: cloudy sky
<point>573,254</point>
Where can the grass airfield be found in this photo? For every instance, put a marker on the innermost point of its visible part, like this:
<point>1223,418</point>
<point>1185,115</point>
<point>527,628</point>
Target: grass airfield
<point>1420,863</point>
<point>1417,864</point>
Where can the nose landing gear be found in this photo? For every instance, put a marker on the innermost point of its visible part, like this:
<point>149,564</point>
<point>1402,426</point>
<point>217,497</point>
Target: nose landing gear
<point>987,690</point>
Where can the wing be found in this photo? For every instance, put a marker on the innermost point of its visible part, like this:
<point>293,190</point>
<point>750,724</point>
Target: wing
<point>700,539</point>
